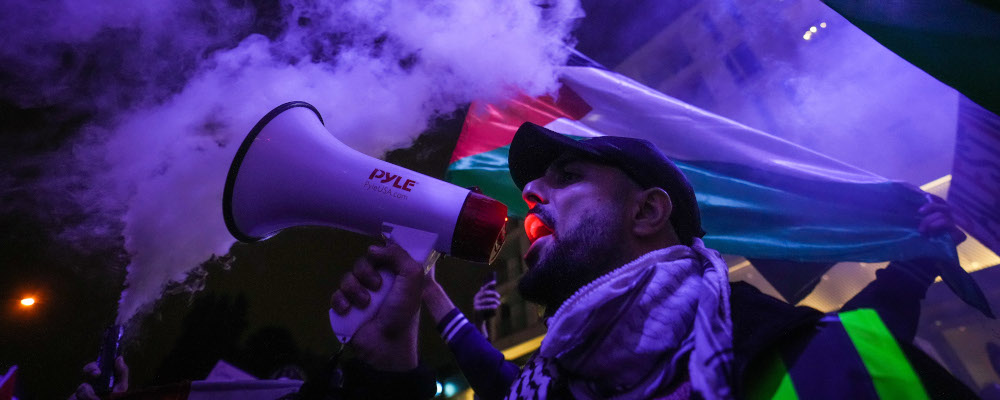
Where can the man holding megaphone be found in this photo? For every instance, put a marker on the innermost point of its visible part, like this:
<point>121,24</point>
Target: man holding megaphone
<point>637,307</point>
<point>615,233</point>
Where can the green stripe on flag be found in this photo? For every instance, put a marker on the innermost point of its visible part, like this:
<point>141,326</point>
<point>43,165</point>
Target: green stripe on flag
<point>774,382</point>
<point>888,367</point>
<point>489,171</point>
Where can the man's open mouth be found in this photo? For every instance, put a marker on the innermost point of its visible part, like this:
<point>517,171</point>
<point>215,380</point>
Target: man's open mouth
<point>535,227</point>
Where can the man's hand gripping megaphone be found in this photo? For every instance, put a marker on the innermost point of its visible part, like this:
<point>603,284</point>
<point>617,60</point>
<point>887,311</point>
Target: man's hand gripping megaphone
<point>380,298</point>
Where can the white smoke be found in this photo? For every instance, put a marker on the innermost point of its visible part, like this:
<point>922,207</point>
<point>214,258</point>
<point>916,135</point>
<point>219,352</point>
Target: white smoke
<point>378,71</point>
<point>835,90</point>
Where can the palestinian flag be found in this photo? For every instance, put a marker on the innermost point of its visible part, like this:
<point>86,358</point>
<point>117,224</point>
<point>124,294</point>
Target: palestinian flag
<point>760,196</point>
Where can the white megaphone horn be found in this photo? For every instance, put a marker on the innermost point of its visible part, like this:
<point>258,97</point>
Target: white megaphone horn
<point>290,171</point>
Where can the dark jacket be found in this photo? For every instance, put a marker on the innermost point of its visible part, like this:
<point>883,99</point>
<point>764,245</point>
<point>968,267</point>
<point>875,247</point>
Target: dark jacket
<point>762,326</point>
<point>822,362</point>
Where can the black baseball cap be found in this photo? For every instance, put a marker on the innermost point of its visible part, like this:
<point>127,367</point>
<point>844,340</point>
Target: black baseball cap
<point>534,148</point>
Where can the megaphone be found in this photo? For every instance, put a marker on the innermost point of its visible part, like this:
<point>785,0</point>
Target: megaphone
<point>290,171</point>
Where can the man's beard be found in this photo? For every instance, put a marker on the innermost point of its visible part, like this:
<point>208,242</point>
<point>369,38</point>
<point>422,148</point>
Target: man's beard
<point>574,260</point>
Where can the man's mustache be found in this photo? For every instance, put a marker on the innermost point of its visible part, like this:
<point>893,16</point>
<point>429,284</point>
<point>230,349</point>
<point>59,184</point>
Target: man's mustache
<point>544,216</point>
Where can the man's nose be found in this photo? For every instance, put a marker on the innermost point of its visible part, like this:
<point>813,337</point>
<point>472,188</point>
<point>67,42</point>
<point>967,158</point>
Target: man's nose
<point>534,193</point>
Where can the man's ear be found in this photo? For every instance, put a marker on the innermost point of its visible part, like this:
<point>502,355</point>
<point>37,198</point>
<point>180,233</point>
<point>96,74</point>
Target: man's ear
<point>653,213</point>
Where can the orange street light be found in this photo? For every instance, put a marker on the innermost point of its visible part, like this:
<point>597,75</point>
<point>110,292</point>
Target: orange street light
<point>27,301</point>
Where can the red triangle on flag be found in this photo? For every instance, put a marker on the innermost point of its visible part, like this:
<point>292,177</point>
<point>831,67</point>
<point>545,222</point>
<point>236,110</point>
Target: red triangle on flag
<point>488,126</point>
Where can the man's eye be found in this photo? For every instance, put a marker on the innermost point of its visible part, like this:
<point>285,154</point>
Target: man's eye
<point>568,177</point>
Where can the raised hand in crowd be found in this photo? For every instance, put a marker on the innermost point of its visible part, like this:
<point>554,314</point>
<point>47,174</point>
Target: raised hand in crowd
<point>91,371</point>
<point>938,219</point>
<point>486,302</point>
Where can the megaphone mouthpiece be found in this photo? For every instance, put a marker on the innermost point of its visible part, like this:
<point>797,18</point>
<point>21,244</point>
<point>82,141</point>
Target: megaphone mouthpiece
<point>481,229</point>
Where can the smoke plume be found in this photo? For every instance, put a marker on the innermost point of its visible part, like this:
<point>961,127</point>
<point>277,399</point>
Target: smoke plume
<point>170,89</point>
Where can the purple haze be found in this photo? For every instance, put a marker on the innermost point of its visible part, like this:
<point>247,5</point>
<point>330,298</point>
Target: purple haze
<point>174,86</point>
<point>840,92</point>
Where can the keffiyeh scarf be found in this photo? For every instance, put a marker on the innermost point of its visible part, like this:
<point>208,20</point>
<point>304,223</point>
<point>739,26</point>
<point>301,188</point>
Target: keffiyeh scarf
<point>626,334</point>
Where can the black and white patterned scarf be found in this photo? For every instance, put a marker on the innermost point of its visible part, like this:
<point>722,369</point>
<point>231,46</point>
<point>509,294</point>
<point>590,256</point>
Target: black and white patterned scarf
<point>626,334</point>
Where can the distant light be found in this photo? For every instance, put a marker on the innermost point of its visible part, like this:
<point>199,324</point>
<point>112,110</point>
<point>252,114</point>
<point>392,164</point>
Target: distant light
<point>450,389</point>
<point>813,29</point>
<point>28,301</point>
<point>822,24</point>
<point>807,36</point>
<point>439,389</point>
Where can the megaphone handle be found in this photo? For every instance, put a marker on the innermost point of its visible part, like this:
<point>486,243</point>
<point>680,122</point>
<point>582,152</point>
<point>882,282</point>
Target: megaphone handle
<point>344,326</point>
<point>419,245</point>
